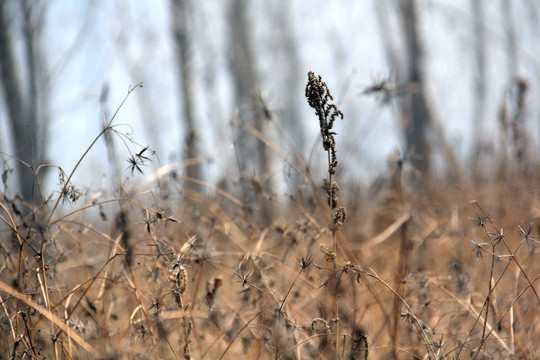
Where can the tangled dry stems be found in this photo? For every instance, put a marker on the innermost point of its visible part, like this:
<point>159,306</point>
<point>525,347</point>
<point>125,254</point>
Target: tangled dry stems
<point>423,275</point>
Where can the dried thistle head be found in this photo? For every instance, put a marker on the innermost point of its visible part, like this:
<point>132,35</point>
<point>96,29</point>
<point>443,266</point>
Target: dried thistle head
<point>305,262</point>
<point>70,193</point>
<point>139,160</point>
<point>178,281</point>
<point>355,269</point>
<point>338,218</point>
<point>320,326</point>
<point>318,96</point>
<point>333,195</point>
<point>329,254</point>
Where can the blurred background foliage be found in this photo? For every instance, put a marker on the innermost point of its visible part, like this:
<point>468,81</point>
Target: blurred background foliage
<point>446,85</point>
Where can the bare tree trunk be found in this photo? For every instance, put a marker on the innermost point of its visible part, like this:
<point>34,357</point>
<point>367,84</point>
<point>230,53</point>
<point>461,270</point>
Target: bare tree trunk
<point>243,70</point>
<point>511,42</point>
<point>416,113</point>
<point>291,79</point>
<point>390,46</point>
<point>180,13</point>
<point>252,154</point>
<point>479,110</point>
<point>292,73</point>
<point>23,102</point>
<point>414,105</point>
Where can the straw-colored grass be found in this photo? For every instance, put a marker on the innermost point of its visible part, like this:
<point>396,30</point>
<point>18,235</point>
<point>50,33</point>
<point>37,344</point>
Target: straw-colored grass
<point>162,271</point>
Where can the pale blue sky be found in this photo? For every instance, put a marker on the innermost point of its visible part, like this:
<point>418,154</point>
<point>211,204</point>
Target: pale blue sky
<point>118,43</point>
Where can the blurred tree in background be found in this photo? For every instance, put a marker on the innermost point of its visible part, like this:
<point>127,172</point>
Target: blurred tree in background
<point>24,90</point>
<point>181,14</point>
<point>220,75</point>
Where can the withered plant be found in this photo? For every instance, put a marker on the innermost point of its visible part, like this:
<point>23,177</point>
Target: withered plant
<point>320,99</point>
<point>155,271</point>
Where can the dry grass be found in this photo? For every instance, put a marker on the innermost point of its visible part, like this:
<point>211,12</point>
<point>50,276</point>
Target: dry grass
<point>166,272</point>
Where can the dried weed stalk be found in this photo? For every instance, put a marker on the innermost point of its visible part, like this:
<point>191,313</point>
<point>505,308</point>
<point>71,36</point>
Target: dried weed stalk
<point>320,99</point>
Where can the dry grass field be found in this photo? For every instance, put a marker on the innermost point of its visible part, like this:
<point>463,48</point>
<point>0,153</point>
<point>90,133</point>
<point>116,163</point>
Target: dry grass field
<point>418,269</point>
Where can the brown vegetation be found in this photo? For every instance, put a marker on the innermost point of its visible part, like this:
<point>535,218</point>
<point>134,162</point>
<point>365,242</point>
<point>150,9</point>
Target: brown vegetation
<point>441,272</point>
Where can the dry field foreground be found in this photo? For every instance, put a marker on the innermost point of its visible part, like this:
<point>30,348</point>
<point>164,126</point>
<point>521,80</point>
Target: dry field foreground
<point>166,272</point>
